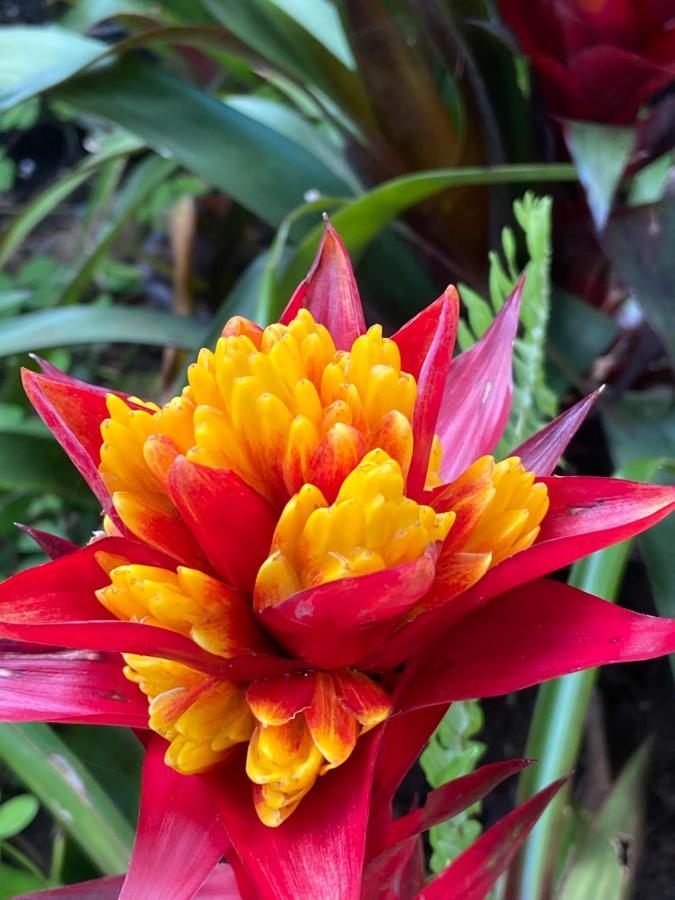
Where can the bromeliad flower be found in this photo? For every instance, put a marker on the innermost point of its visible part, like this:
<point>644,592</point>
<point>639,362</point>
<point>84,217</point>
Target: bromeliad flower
<point>307,555</point>
<point>598,60</point>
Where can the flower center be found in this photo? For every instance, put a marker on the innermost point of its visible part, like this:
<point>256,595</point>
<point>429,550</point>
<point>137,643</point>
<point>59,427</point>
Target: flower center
<point>281,407</point>
<point>371,526</point>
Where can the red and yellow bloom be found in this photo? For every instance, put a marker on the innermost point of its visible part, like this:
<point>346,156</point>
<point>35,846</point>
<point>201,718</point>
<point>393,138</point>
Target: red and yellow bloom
<point>307,556</point>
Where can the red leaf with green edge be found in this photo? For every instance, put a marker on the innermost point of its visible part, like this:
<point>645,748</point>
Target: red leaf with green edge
<point>451,798</point>
<point>541,452</point>
<point>430,390</point>
<point>330,293</point>
<point>231,521</point>
<point>473,873</point>
<point>180,836</point>
<point>585,515</point>
<point>69,687</point>
<point>338,623</point>
<point>477,394</point>
<point>323,842</point>
<point>539,631</point>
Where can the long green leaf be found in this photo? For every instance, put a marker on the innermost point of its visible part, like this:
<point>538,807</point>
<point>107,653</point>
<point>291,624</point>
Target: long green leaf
<point>557,724</point>
<point>360,220</point>
<point>262,169</point>
<point>284,41</point>
<point>605,863</point>
<point>47,767</point>
<point>36,210</point>
<point>34,59</point>
<point>146,177</point>
<point>34,463</point>
<point>94,324</point>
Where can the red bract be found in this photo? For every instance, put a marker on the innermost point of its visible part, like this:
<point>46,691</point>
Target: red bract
<point>598,60</point>
<point>308,555</point>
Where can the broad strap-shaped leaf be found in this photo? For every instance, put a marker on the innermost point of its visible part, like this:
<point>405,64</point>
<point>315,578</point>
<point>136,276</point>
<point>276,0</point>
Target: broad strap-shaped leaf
<point>337,623</point>
<point>477,394</point>
<point>541,452</point>
<point>430,389</point>
<point>472,874</point>
<point>330,293</point>
<point>539,631</point>
<point>231,521</point>
<point>180,836</point>
<point>69,687</point>
<point>319,850</point>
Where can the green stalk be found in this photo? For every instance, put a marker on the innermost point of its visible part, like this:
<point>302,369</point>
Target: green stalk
<point>42,762</point>
<point>557,725</point>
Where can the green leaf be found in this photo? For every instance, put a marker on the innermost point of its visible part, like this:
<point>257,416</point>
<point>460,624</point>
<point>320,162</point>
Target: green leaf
<point>34,463</point>
<point>321,18</point>
<point>7,173</point>
<point>260,168</point>
<point>452,752</point>
<point>41,205</point>
<point>649,184</point>
<point>605,863</point>
<point>147,176</point>
<point>103,325</point>
<point>285,42</point>
<point>34,59</point>
<point>14,882</point>
<point>286,121</point>
<point>577,334</point>
<point>86,13</point>
<point>17,814</point>
<point>360,220</point>
<point>75,799</point>
<point>600,153</point>
<point>21,117</point>
<point>639,241</point>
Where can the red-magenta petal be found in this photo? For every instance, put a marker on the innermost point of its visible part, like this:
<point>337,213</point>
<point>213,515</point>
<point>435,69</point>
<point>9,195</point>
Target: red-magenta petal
<point>337,623</point>
<point>180,836</point>
<point>473,873</point>
<point>539,631</point>
<point>477,394</point>
<point>330,293</point>
<point>232,523</point>
<point>69,687</point>
<point>431,385</point>
<point>541,452</point>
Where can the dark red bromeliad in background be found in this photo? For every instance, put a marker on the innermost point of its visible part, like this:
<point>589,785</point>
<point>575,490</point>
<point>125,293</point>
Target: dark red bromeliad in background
<point>598,60</point>
<point>306,557</point>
